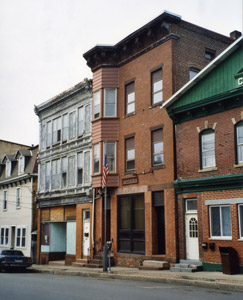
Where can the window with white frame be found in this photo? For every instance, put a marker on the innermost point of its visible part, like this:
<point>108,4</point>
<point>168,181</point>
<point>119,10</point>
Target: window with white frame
<point>20,237</point>
<point>21,162</point>
<point>191,205</point>
<point>56,130</point>
<point>80,163</point>
<point>96,97</point>
<point>8,168</point>
<point>80,121</point>
<point>18,198</point>
<point>72,125</point>
<point>110,102</point>
<point>240,212</point>
<point>71,171</point>
<point>48,134</point>
<point>96,158</point>
<point>157,86</point>
<point>207,149</point>
<point>87,167</point>
<point>65,128</point>
<point>4,200</point>
<point>130,98</point>
<point>64,171</point>
<point>239,142</point>
<point>220,221</point>
<point>55,174</point>
<point>4,236</point>
<point>87,119</point>
<point>48,176</point>
<point>110,155</point>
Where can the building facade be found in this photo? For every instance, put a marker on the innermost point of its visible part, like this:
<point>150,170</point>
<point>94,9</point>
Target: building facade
<point>64,197</point>
<point>18,214</point>
<point>129,129</point>
<point>208,117</point>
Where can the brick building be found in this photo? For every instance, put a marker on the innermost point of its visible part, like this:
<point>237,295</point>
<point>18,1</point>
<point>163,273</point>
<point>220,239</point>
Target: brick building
<point>130,82</point>
<point>208,118</point>
<point>64,198</point>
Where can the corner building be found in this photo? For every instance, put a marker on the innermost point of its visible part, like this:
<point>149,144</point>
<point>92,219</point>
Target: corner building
<point>130,82</point>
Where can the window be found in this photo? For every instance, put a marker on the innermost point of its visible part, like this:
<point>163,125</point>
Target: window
<point>80,167</point>
<point>43,137</point>
<point>207,149</point>
<point>81,121</point>
<point>87,167</point>
<point>21,165</point>
<point>110,153</point>
<point>48,176</point>
<point>65,128</point>
<point>209,54</point>
<point>45,234</point>
<point>110,102</point>
<point>191,205</point>
<point>130,98</point>
<point>48,134</point>
<point>130,154</point>
<point>4,236</point>
<point>96,158</point>
<point>21,237</point>
<point>8,168</point>
<point>64,171</point>
<point>239,142</point>
<point>57,129</point>
<point>4,200</point>
<point>87,119</point>
<point>131,224</point>
<point>72,125</point>
<point>71,171</point>
<point>96,104</point>
<point>55,174</point>
<point>18,198</point>
<point>157,86</point>
<point>41,180</point>
<point>193,72</point>
<point>157,147</point>
<point>220,221</point>
<point>240,211</point>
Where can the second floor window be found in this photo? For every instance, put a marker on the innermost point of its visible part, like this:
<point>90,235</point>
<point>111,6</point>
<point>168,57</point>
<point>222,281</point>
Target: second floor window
<point>48,176</point>
<point>207,149</point>
<point>71,170</point>
<point>157,147</point>
<point>80,167</point>
<point>239,142</point>
<point>65,128</point>
<point>64,171</point>
<point>157,86</point>
<point>130,154</point>
<point>57,129</point>
<point>87,167</point>
<point>18,198</point>
<point>72,125</point>
<point>96,97</point>
<point>110,102</point>
<point>96,158</point>
<point>110,154</point>
<point>55,174</point>
<point>130,98</point>
<point>80,121</point>
<point>4,200</point>
<point>48,134</point>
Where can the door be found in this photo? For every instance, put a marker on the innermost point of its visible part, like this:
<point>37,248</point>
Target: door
<point>86,232</point>
<point>161,230</point>
<point>192,251</point>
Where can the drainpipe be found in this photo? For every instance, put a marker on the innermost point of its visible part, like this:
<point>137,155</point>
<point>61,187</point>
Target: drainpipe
<point>31,211</point>
<point>93,223</point>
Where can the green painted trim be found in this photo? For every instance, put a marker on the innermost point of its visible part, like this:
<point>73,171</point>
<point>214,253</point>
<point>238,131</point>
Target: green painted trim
<point>216,183</point>
<point>212,267</point>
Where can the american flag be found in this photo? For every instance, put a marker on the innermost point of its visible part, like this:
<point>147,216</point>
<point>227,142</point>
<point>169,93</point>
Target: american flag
<point>105,172</point>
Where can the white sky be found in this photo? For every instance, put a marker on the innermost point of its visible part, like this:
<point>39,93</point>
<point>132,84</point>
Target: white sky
<point>42,44</point>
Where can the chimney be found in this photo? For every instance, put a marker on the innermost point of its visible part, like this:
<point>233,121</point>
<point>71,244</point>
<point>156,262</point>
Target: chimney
<point>235,34</point>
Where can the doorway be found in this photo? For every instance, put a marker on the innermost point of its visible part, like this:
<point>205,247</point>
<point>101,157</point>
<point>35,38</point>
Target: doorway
<point>86,232</point>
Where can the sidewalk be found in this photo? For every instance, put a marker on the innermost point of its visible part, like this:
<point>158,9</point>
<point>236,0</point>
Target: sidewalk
<point>215,280</point>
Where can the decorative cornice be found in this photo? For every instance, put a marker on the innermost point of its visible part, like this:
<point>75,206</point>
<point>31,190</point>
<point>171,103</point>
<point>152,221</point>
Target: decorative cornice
<point>17,179</point>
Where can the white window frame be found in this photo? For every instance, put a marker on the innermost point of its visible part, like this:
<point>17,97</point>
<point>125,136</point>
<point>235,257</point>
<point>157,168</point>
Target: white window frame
<point>18,197</point>
<point>188,211</point>
<point>21,237</point>
<point>5,201</point>
<point>4,237</point>
<point>104,153</point>
<point>221,236</point>
<point>238,144</point>
<point>8,168</point>
<point>240,221</point>
<point>55,174</point>
<point>96,151</point>
<point>203,151</point>
<point>115,103</point>
<point>97,102</point>
<point>21,164</point>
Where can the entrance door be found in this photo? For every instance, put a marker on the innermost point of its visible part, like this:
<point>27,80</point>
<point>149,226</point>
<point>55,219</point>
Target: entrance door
<point>86,232</point>
<point>161,230</point>
<point>192,251</point>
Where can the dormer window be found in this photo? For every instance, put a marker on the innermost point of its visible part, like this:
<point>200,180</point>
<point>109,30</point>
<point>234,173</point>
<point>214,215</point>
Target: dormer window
<point>21,164</point>
<point>8,168</point>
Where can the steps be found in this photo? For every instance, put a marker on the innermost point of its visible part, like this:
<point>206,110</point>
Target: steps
<point>57,263</point>
<point>154,265</point>
<point>96,262</point>
<point>187,266</point>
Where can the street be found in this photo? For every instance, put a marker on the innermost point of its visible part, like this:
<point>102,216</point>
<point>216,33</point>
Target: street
<point>38,286</point>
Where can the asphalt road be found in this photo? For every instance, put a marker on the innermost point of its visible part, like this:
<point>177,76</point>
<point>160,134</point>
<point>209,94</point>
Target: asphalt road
<point>40,286</point>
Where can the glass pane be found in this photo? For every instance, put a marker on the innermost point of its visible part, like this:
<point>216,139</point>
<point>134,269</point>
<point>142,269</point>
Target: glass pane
<point>240,154</point>
<point>158,159</point>
<point>110,96</point>
<point>125,213</point>
<point>157,86</point>
<point>131,154</point>
<point>110,110</point>
<point>158,147</point>
<point>130,108</point>
<point>215,221</point>
<point>130,164</point>
<point>130,97</point>
<point>87,167</point>
<point>125,246</point>
<point>138,246</point>
<point>208,141</point>
<point>157,97</point>
<point>87,119</point>
<point>226,221</point>
<point>138,212</point>
<point>241,220</point>
<point>191,205</point>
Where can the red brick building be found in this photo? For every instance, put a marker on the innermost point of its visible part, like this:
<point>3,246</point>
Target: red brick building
<point>208,117</point>
<point>130,82</point>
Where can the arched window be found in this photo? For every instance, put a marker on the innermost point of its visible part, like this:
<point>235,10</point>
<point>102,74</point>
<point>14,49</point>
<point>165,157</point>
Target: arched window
<point>239,142</point>
<point>207,145</point>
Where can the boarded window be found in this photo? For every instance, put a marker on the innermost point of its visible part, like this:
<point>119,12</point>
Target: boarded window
<point>71,171</point>
<point>87,119</point>
<point>65,128</point>
<point>48,134</point>
<point>72,125</point>
<point>43,137</point>
<point>81,121</point>
<point>80,167</point>
<point>48,176</point>
<point>56,129</point>
<point>56,174</point>
<point>87,167</point>
<point>64,171</point>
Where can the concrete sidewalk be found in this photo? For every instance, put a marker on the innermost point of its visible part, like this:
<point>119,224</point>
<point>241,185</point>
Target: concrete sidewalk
<point>215,280</point>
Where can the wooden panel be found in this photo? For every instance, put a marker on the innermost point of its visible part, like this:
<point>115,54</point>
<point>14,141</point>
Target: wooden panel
<point>70,213</point>
<point>96,181</point>
<point>57,214</point>
<point>112,181</point>
<point>45,214</point>
<point>106,78</point>
<point>105,130</point>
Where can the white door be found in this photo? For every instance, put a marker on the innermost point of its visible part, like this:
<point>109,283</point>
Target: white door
<point>86,232</point>
<point>192,251</point>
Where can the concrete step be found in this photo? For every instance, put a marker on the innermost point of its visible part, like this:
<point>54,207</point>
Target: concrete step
<point>154,265</point>
<point>191,262</point>
<point>57,262</point>
<point>187,266</point>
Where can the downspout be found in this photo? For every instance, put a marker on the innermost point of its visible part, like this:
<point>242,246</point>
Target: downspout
<point>93,223</point>
<point>31,210</point>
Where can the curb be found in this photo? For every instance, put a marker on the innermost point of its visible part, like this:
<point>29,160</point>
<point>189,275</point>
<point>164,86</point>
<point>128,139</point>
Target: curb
<point>177,281</point>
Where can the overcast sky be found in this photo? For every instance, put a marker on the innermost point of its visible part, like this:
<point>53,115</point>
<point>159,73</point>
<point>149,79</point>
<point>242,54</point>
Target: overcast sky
<point>42,44</point>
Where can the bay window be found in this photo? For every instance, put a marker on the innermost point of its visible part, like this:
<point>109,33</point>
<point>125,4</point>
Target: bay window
<point>110,102</point>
